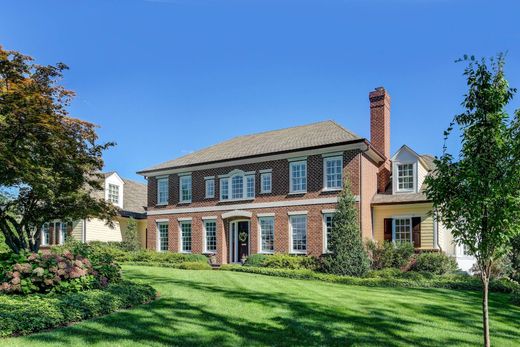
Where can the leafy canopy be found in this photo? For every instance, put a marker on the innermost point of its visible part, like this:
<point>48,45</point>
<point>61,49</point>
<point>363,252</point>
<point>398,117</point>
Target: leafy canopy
<point>48,160</point>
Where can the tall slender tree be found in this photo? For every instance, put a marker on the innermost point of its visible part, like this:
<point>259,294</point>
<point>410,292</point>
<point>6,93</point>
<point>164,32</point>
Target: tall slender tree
<point>48,160</point>
<point>477,192</point>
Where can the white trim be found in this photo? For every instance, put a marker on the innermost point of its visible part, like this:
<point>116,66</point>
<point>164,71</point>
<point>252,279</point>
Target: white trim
<point>182,221</point>
<point>158,235</point>
<point>262,175</point>
<point>331,210</point>
<point>335,154</point>
<point>181,201</point>
<point>204,222</point>
<point>261,159</point>
<point>415,177</point>
<point>259,215</point>
<point>291,250</point>
<point>183,174</point>
<point>157,181</point>
<point>409,217</point>
<point>185,219</point>
<point>325,159</point>
<point>206,181</point>
<point>259,235</point>
<point>265,171</point>
<point>297,159</point>
<point>291,191</point>
<point>324,230</point>
<point>209,217</point>
<point>296,213</point>
<point>249,206</point>
<point>209,177</point>
<point>235,237</point>
<point>237,213</point>
<point>162,176</point>
<point>162,220</point>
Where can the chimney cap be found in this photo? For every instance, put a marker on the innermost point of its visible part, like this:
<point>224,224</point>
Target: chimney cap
<point>379,88</point>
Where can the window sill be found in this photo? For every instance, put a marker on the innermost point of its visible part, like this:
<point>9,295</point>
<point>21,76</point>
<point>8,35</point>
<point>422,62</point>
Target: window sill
<point>269,192</point>
<point>209,197</point>
<point>266,252</point>
<point>162,204</point>
<point>298,193</point>
<point>209,252</point>
<point>184,202</point>
<point>234,200</point>
<point>331,189</point>
<point>185,252</point>
<point>298,252</point>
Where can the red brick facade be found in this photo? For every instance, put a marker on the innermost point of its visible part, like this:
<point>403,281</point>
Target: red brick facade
<point>380,131</point>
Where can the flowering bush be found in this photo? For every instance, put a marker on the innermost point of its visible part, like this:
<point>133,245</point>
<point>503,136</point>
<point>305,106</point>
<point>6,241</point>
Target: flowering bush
<point>55,272</point>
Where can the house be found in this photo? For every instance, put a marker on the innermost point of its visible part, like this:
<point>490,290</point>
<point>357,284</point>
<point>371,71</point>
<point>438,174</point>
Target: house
<point>127,195</point>
<point>277,191</point>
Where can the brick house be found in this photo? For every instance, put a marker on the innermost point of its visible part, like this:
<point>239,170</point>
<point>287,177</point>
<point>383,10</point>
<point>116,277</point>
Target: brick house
<point>277,191</point>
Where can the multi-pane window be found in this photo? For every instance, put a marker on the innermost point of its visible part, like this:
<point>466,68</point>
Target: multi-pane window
<point>162,236</point>
<point>250,186</point>
<point>113,193</point>
<point>405,177</point>
<point>185,188</point>
<point>237,187</point>
<point>403,230</point>
<point>46,235</point>
<point>299,233</point>
<point>224,188</point>
<point>298,173</point>
<point>162,190</point>
<point>210,188</point>
<point>63,233</point>
<point>185,236</point>
<point>333,172</point>
<point>266,234</point>
<point>211,235</point>
<point>266,182</point>
<point>327,220</point>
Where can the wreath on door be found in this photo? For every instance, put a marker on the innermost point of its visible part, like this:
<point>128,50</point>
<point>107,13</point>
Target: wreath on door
<point>242,236</point>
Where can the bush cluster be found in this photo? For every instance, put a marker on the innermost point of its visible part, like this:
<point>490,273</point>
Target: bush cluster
<point>282,261</point>
<point>436,263</point>
<point>389,254</point>
<point>25,314</point>
<point>63,271</point>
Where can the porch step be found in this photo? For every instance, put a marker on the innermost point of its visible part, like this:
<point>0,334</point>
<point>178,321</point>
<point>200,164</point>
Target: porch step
<point>215,266</point>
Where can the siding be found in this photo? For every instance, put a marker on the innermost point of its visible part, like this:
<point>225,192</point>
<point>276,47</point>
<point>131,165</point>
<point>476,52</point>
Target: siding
<point>97,230</point>
<point>422,210</point>
<point>141,228</point>
<point>421,175</point>
<point>77,230</point>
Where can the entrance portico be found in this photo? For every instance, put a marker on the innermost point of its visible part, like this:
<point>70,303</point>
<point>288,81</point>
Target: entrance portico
<point>238,223</point>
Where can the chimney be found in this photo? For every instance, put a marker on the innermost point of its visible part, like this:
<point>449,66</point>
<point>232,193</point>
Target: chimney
<point>380,132</point>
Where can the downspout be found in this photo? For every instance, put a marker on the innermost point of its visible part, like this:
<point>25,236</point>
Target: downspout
<point>436,231</point>
<point>84,230</point>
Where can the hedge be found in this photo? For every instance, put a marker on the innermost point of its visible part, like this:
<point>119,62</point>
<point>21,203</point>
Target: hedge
<point>188,265</point>
<point>461,282</point>
<point>20,315</point>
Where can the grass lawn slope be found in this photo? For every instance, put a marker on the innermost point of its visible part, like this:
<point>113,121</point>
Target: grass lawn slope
<point>223,308</point>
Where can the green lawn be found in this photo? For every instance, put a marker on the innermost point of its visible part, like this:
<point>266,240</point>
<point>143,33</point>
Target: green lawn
<point>231,309</point>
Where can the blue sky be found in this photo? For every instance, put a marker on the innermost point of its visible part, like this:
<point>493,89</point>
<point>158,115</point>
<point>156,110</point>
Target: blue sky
<point>163,78</point>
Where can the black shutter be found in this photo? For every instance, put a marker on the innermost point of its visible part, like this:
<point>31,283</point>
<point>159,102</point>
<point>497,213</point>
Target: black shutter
<point>388,229</point>
<point>416,231</point>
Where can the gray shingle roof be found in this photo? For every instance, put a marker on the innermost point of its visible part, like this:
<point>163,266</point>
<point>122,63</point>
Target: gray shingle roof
<point>134,196</point>
<point>299,137</point>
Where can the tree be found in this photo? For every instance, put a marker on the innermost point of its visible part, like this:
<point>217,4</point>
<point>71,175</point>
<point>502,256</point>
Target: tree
<point>130,236</point>
<point>347,253</point>
<point>477,194</point>
<point>48,160</point>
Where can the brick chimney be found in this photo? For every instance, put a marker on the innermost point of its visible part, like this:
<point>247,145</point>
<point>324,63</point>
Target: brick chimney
<point>380,132</point>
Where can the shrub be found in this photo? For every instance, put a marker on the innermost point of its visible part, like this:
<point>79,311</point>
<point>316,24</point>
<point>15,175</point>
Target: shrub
<point>389,254</point>
<point>190,265</point>
<point>287,261</point>
<point>23,315</point>
<point>131,236</point>
<point>256,260</point>
<point>515,296</point>
<point>436,263</point>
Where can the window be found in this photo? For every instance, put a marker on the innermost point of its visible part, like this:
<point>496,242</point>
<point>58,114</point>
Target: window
<point>46,235</point>
<point>298,233</point>
<point>185,237</point>
<point>210,188</point>
<point>327,223</point>
<point>211,235</point>
<point>405,177</point>
<point>162,236</point>
<point>403,230</point>
<point>266,182</point>
<point>185,188</point>
<point>333,173</point>
<point>298,173</point>
<point>266,234</point>
<point>113,193</point>
<point>63,233</point>
<point>162,191</point>
<point>237,186</point>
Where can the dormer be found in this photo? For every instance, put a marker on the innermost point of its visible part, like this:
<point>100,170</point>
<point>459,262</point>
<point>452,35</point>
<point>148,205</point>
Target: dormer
<point>408,171</point>
<point>114,189</point>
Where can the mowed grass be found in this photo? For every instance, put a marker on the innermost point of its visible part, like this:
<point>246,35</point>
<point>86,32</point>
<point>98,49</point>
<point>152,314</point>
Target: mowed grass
<point>220,308</point>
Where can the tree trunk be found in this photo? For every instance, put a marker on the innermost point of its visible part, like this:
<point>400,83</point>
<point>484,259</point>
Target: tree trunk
<point>485,313</point>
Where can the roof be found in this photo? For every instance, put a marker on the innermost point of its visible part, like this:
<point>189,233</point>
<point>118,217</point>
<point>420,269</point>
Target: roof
<point>388,198</point>
<point>299,137</point>
<point>134,196</point>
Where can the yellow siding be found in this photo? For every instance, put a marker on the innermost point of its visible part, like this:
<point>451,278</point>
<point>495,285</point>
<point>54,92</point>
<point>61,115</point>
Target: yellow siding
<point>422,210</point>
<point>77,230</point>
<point>141,228</point>
<point>98,230</point>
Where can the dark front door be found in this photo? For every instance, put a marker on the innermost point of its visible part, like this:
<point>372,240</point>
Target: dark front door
<point>243,240</point>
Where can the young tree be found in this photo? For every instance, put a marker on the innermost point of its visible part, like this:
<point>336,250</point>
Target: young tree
<point>47,159</point>
<point>130,236</point>
<point>347,253</point>
<point>477,193</point>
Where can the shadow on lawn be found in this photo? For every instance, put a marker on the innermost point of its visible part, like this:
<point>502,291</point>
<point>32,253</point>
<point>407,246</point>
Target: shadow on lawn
<point>175,321</point>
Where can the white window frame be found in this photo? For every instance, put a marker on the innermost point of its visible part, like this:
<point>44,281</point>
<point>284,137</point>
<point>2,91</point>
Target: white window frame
<point>63,232</point>
<point>394,219</point>
<point>205,223</point>
<point>158,223</point>
<point>414,177</point>
<point>229,179</point>
<point>115,194</point>
<point>181,197</point>
<point>260,239</point>
<point>325,237</point>
<point>207,182</point>
<point>325,181</point>
<point>291,166</point>
<point>291,232</point>
<point>166,193</point>
<point>264,175</point>
<point>45,230</point>
<point>181,244</point>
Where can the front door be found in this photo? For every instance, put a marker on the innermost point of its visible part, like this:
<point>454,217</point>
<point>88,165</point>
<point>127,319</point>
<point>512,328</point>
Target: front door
<point>238,241</point>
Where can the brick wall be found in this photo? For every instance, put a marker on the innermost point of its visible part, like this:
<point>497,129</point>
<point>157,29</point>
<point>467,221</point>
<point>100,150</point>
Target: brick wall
<point>380,131</point>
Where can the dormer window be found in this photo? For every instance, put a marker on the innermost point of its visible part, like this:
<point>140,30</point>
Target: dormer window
<point>113,193</point>
<point>237,185</point>
<point>405,177</point>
